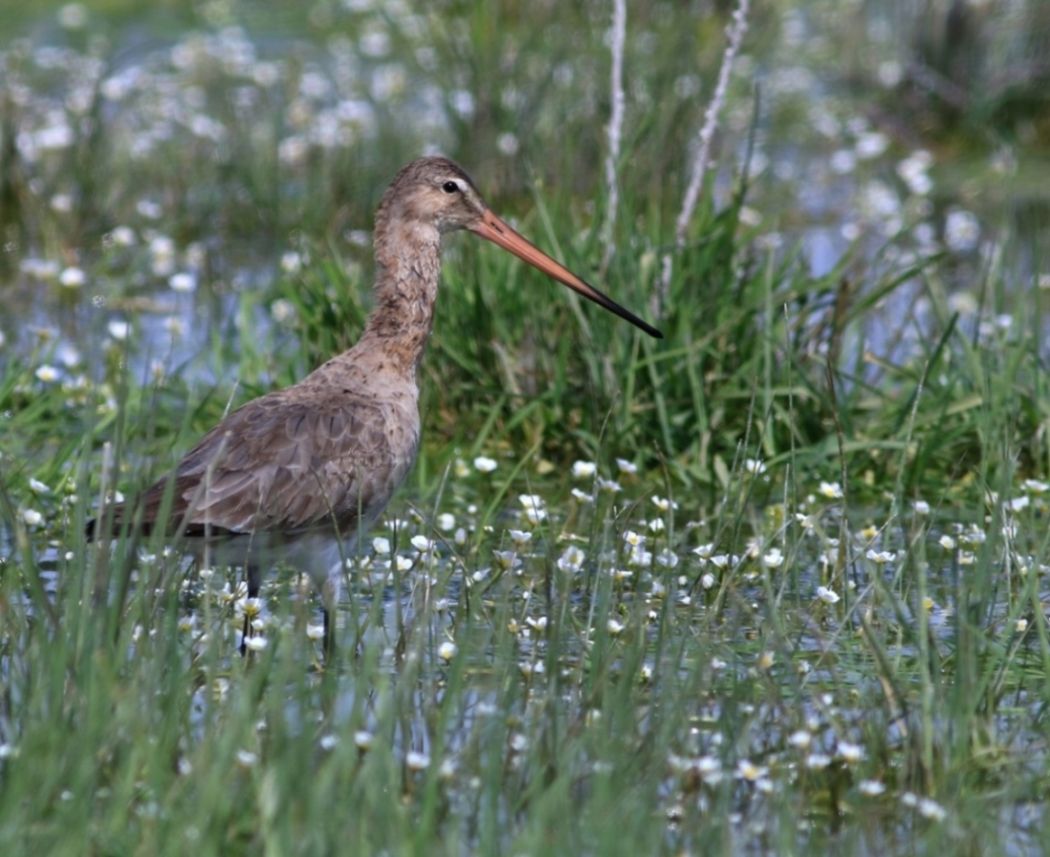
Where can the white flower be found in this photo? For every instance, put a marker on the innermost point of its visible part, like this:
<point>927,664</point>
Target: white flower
<point>582,496</point>
<point>314,632</point>
<point>614,628</point>
<point>828,596</point>
<point>584,469</point>
<point>572,559</point>
<point>754,465</point>
<point>484,464</point>
<point>871,788</point>
<point>831,490</point>
<point>773,559</point>
<point>880,557</point>
<point>850,752</point>
<point>32,517</point>
<point>256,643</point>
<point>39,487</point>
<point>118,329</point>
<point>417,761</point>
<point>929,808</point>
<point>534,508</point>
<point>816,761</point>
<point>47,374</point>
<point>946,542</point>
<point>183,282</point>
<point>72,278</point>
<point>871,144</point>
<point>922,507</point>
<point>423,544</point>
<point>707,581</point>
<point>363,739</point>
<point>626,467</point>
<point>291,262</point>
<point>520,537</point>
<point>381,545</point>
<point>447,651</point>
<point>961,230</point>
<point>246,759</point>
<point>748,770</point>
<point>664,504</point>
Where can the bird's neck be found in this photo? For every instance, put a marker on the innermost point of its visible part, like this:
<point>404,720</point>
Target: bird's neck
<point>408,267</point>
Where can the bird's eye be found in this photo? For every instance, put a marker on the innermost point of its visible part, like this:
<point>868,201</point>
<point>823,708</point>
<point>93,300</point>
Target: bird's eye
<point>450,187</point>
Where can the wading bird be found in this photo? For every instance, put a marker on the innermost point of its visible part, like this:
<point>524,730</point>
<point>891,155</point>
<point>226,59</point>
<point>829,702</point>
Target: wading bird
<point>296,475</point>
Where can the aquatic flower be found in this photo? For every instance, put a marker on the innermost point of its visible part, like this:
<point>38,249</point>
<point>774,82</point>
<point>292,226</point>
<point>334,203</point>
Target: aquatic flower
<point>871,788</point>
<point>447,651</point>
<point>707,580</point>
<point>633,539</point>
<point>584,469</point>
<point>614,627</point>
<point>880,557</point>
<point>422,544</point>
<point>754,466</point>
<point>572,559</point>
<point>246,759</point>
<point>534,508</point>
<point>72,278</point>
<point>1035,486</point>
<point>38,487</point>
<point>520,538</point>
<point>484,464</point>
<point>118,329</point>
<point>282,310</point>
<point>183,282</point>
<point>664,504</point>
<point>946,542</point>
<point>818,761</point>
<point>850,752</point>
<point>929,808</point>
<point>656,525</point>
<point>32,518</point>
<point>962,230</point>
<point>667,558</point>
<point>831,490</point>
<point>626,467</point>
<point>828,596</point>
<point>363,740</point>
<point>314,632</point>
<point>921,507</point>
<point>1021,626</point>
<point>748,770</point>
<point>538,623</point>
<point>256,643</point>
<point>47,374</point>
<point>871,144</point>
<point>582,496</point>
<point>774,558</point>
<point>381,545</point>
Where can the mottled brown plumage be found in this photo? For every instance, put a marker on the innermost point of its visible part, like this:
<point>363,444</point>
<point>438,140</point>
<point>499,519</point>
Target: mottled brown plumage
<point>298,474</point>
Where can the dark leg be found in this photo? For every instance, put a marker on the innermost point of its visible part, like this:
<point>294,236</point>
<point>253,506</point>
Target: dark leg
<point>253,576</point>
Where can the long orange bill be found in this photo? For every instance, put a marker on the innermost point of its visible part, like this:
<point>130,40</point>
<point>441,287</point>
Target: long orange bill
<point>498,232</point>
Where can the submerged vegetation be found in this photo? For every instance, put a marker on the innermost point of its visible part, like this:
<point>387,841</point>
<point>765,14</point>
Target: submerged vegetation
<point>776,583</point>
